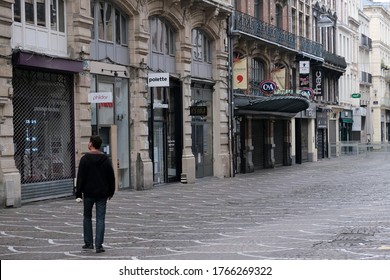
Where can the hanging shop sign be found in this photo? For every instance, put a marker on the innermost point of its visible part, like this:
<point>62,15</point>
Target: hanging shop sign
<point>158,79</point>
<point>267,87</point>
<point>304,67</point>
<point>198,111</point>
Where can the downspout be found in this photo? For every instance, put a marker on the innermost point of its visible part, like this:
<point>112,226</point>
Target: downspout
<point>233,161</point>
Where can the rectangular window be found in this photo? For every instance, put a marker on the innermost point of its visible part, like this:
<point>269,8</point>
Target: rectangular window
<point>61,15</point>
<point>29,9</point>
<point>53,15</point>
<point>294,21</point>
<point>93,16</point>
<point>153,33</point>
<point>117,27</point>
<point>124,30</point>
<point>109,23</point>
<point>101,21</point>
<point>17,11</point>
<point>41,13</point>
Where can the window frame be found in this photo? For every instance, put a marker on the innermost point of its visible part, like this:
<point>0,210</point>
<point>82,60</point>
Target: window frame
<point>40,14</point>
<point>201,44</point>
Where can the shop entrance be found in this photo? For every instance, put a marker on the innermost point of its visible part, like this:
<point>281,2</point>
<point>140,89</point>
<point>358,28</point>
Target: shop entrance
<point>110,121</point>
<point>202,132</point>
<point>166,140</point>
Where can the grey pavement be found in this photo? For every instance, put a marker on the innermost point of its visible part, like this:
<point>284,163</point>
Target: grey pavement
<point>335,208</point>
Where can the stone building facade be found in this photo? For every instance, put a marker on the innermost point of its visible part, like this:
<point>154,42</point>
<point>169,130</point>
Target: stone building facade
<point>73,68</point>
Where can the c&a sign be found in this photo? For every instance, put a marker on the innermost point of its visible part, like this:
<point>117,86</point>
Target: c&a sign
<point>268,87</point>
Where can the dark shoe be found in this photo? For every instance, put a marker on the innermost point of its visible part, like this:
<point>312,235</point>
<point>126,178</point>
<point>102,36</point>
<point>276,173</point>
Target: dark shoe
<point>100,250</point>
<point>88,246</point>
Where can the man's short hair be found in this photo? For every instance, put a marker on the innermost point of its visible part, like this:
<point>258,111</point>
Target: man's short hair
<point>96,141</point>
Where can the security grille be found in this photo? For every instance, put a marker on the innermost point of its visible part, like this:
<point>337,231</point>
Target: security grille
<point>44,145</point>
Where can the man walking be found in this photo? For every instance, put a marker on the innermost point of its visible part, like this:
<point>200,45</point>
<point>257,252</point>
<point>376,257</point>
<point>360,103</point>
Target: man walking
<point>95,184</point>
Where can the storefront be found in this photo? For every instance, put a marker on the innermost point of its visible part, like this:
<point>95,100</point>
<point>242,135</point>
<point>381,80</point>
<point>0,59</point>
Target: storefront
<point>44,124</point>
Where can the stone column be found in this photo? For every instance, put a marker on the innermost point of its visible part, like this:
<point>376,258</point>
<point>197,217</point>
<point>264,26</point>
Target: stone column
<point>10,186</point>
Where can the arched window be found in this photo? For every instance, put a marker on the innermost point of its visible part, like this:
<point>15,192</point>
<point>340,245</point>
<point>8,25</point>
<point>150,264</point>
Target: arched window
<point>162,45</point>
<point>257,75</point>
<point>201,55</point>
<point>162,36</point>
<point>201,50</point>
<point>110,24</point>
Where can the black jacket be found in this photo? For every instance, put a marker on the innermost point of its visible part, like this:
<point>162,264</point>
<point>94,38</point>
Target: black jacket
<point>95,177</point>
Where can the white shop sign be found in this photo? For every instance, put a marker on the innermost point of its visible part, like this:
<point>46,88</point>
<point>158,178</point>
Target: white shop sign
<point>100,97</point>
<point>158,79</point>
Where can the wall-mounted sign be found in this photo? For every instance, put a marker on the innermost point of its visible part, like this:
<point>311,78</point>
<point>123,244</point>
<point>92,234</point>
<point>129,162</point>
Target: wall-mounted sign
<point>240,73</point>
<point>267,87</point>
<point>304,67</point>
<point>158,79</point>
<point>100,97</point>
<point>198,110</point>
<point>160,106</point>
<point>356,95</point>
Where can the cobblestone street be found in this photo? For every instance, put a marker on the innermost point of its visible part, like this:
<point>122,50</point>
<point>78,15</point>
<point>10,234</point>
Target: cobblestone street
<point>331,209</point>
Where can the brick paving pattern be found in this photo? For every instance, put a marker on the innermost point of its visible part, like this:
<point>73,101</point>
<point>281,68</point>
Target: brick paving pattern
<point>331,209</point>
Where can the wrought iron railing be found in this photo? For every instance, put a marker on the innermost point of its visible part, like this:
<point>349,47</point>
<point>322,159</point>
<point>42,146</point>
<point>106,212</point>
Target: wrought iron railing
<point>262,30</point>
<point>311,47</point>
<point>334,59</point>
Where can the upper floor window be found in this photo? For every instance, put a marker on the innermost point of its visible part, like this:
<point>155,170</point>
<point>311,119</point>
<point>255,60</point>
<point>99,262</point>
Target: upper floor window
<point>258,9</point>
<point>201,49</point>
<point>110,24</point>
<point>162,37</point>
<point>40,13</point>
<point>279,16</point>
<point>257,70</point>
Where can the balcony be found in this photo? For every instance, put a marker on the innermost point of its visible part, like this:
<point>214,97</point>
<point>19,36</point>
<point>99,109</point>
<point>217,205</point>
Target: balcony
<point>246,24</point>
<point>254,27</point>
<point>310,47</point>
<point>334,59</point>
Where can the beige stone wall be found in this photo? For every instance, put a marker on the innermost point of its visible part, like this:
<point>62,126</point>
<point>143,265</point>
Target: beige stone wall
<point>184,16</point>
<point>9,175</point>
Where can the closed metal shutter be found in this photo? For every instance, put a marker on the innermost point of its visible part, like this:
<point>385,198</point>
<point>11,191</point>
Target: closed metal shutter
<point>278,140</point>
<point>305,140</point>
<point>44,137</point>
<point>258,144</point>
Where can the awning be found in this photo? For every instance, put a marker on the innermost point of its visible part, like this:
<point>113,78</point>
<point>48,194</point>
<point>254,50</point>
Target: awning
<point>33,60</point>
<point>271,104</point>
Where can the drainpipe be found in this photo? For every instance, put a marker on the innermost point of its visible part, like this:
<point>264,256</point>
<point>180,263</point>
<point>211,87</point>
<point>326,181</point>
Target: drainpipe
<point>233,161</point>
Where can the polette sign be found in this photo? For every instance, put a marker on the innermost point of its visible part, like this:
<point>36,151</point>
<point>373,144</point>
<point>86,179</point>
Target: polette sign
<point>158,79</point>
<point>100,97</point>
